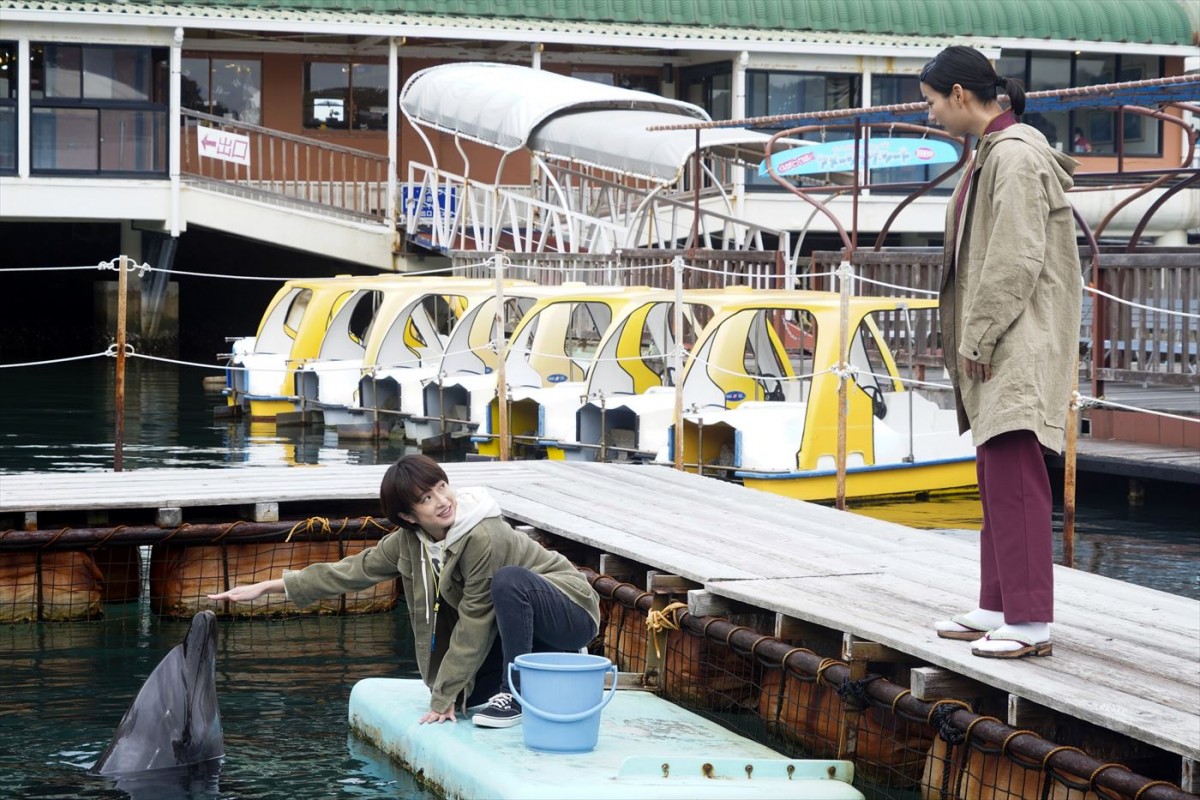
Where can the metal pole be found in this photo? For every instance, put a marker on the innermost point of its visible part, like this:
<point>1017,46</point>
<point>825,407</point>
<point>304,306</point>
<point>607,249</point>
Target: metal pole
<point>122,287</point>
<point>843,394</point>
<point>1069,472</point>
<point>501,353</point>
<point>677,265</point>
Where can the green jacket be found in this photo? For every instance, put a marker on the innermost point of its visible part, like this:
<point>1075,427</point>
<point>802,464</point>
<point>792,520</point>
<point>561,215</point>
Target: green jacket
<point>1011,289</point>
<point>465,630</point>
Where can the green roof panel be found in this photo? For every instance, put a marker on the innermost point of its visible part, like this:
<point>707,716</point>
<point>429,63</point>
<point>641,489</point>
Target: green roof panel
<point>1133,21</point>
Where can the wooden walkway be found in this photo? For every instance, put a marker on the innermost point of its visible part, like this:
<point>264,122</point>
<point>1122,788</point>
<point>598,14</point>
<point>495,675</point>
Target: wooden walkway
<point>1130,459</point>
<point>1126,658</point>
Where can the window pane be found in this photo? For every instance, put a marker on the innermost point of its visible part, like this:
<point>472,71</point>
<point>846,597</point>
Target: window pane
<point>64,139</point>
<point>194,84</point>
<point>117,73</point>
<point>722,96</point>
<point>326,95</point>
<point>62,71</point>
<point>237,90</point>
<point>369,82</point>
<point>133,141</point>
<point>8,138</point>
<point>891,90</point>
<point>8,71</point>
<point>1141,133</point>
<point>1012,65</point>
<point>1050,71</point>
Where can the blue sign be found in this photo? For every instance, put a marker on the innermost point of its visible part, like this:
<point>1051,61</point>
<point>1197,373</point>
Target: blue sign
<point>446,198</point>
<point>839,156</point>
<point>557,377</point>
<point>733,397</point>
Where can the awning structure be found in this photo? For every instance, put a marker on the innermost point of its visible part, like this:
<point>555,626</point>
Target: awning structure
<point>509,107</point>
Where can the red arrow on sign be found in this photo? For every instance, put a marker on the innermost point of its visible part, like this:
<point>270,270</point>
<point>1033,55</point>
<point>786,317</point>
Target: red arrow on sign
<point>208,142</point>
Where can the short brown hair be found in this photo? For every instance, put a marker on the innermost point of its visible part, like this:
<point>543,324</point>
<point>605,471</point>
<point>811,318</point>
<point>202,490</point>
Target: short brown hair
<point>405,483</point>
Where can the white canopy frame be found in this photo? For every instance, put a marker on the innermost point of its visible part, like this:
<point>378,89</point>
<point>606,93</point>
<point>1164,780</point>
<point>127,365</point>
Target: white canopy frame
<point>570,127</point>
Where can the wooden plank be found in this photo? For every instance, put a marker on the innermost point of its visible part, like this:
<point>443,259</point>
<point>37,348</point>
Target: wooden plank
<point>935,683</point>
<point>188,487</point>
<point>1099,692</point>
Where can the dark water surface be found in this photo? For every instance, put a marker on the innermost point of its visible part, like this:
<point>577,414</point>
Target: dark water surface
<point>283,688</point>
<point>283,685</point>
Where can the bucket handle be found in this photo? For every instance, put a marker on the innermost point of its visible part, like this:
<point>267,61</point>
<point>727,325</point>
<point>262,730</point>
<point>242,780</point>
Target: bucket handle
<point>578,715</point>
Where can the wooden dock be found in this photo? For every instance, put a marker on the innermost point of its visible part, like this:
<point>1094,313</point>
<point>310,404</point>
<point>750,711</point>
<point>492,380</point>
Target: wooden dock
<point>1152,462</point>
<point>1126,658</point>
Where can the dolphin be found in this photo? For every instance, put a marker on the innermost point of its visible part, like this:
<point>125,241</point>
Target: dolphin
<point>174,720</point>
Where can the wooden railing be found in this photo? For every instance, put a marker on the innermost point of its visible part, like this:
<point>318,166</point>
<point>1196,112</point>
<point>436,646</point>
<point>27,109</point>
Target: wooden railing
<point>1144,345</point>
<point>282,166</point>
<point>1143,342</point>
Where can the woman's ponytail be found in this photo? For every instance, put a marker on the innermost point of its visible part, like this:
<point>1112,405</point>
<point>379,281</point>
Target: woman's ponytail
<point>1016,93</point>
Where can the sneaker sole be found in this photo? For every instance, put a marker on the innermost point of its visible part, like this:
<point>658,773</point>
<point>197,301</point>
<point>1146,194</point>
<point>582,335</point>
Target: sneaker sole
<point>488,722</point>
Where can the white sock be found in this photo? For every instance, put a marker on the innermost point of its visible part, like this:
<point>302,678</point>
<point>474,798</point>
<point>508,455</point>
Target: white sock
<point>983,619</point>
<point>1029,632</point>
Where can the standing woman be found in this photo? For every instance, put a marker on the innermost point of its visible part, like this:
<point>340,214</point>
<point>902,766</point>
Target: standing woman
<point>1010,308</point>
<point>479,594</point>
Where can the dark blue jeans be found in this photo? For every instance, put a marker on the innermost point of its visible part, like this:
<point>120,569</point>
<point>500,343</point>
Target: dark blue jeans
<point>531,616</point>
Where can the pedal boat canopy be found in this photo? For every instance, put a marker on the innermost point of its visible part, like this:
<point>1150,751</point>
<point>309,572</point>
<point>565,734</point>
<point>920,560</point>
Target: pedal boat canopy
<point>511,107</point>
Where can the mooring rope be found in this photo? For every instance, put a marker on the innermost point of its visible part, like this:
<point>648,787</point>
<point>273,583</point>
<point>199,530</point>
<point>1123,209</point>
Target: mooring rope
<point>659,621</point>
<point>54,360</point>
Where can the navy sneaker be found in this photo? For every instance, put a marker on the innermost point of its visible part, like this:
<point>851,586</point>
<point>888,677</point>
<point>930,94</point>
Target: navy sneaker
<point>502,711</point>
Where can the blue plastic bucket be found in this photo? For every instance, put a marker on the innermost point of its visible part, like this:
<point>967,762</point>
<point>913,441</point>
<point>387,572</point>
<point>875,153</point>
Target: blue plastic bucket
<point>561,696</point>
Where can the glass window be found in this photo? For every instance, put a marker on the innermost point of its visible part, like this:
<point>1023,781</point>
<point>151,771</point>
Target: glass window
<point>65,139</point>
<point>8,138</point>
<point>1088,130</point>
<point>194,84</point>
<point>62,65</point>
<point>1050,71</point>
<point>772,93</point>
<point>345,96</point>
<point>98,108</point>
<point>132,141</point>
<point>8,107</point>
<point>236,92</point>
<point>368,95</point>
<point>225,87</point>
<point>1142,133</point>
<point>887,90</point>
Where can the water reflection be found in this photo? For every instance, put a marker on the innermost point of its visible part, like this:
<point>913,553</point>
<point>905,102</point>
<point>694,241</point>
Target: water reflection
<point>60,418</point>
<point>283,687</point>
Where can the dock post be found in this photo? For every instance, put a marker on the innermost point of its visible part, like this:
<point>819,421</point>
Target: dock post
<point>677,265</point>
<point>1069,464</point>
<point>501,383</point>
<point>843,365</point>
<point>119,407</point>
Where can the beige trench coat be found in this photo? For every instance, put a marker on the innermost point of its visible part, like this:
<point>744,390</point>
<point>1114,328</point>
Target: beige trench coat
<point>1012,298</point>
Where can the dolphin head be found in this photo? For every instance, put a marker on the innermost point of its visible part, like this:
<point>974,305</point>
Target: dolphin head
<point>174,721</point>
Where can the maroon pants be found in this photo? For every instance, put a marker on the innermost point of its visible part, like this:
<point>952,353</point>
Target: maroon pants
<point>1016,559</point>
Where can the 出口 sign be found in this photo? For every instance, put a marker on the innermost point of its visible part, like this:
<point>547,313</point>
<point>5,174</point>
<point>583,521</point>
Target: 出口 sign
<point>223,145</point>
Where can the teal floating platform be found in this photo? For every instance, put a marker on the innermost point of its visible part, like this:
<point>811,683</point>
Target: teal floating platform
<point>648,747</point>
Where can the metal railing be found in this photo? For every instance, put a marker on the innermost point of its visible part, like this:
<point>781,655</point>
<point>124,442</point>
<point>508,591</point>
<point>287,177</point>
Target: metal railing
<point>283,166</point>
<point>706,269</point>
<point>445,211</point>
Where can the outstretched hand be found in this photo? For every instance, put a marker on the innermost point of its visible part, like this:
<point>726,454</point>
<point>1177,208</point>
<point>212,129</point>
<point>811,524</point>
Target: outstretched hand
<point>434,716</point>
<point>241,594</point>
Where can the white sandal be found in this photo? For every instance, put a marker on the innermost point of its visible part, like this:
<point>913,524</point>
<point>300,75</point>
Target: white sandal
<point>958,628</point>
<point>999,645</point>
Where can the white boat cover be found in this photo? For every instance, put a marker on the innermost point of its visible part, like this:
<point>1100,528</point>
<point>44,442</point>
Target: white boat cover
<point>509,107</point>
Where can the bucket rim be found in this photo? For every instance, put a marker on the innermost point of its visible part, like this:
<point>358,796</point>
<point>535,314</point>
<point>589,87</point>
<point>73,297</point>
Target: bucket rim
<point>562,662</point>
